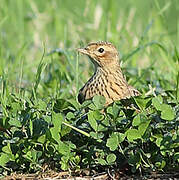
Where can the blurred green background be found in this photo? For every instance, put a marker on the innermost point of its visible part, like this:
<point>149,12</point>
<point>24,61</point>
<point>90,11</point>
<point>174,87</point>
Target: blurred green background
<point>28,28</point>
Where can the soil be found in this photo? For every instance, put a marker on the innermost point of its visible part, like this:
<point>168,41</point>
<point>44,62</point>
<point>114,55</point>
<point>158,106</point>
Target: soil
<point>82,175</point>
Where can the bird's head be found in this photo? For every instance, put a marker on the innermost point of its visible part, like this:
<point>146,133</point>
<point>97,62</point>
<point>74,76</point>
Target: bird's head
<point>102,54</point>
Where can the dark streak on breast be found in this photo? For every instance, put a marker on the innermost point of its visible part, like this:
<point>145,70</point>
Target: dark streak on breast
<point>120,86</point>
<point>107,93</point>
<point>114,89</point>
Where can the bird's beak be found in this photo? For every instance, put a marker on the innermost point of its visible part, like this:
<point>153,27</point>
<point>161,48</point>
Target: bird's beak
<point>83,51</point>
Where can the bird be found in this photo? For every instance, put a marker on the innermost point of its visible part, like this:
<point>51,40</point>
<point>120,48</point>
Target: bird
<point>108,79</point>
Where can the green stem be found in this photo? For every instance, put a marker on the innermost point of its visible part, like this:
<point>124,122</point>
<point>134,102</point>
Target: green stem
<point>76,129</point>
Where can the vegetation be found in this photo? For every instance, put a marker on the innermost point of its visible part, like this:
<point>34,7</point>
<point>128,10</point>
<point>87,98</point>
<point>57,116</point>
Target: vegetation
<point>42,123</point>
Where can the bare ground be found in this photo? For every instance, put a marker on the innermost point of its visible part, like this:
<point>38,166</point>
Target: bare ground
<point>49,175</point>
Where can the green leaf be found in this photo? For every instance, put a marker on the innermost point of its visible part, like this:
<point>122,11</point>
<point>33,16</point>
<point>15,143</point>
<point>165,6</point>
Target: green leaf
<point>47,119</point>
<point>70,115</point>
<point>116,110</point>
<point>132,134</point>
<point>42,105</point>
<point>97,115</point>
<point>55,134</point>
<point>139,118</point>
<point>34,155</point>
<point>15,122</point>
<point>99,101</point>
<point>157,102</point>
<point>176,157</point>
<point>121,137</point>
<point>161,164</point>
<point>76,159</point>
<point>65,130</point>
<point>110,110</point>
<point>74,103</point>
<point>86,103</point>
<point>42,139</point>
<point>158,141</point>
<point>16,107</point>
<point>97,135</point>
<point>111,158</point>
<point>141,102</point>
<point>167,112</point>
<point>28,155</point>
<point>92,120</point>
<point>63,148</point>
<point>136,121</point>
<point>103,125</point>
<point>57,121</point>
<point>7,149</point>
<point>113,142</point>
<point>92,106</point>
<point>64,163</point>
<point>101,161</point>
<point>4,158</point>
<point>142,127</point>
<point>64,166</point>
<point>62,104</point>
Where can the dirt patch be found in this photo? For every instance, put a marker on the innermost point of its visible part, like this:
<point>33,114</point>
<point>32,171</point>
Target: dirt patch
<point>102,176</point>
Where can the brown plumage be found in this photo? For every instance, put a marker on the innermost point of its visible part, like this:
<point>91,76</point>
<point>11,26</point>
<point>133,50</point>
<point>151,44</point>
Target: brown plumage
<point>107,80</point>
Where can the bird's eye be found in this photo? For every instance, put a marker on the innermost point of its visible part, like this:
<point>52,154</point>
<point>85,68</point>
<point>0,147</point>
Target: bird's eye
<point>101,50</point>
